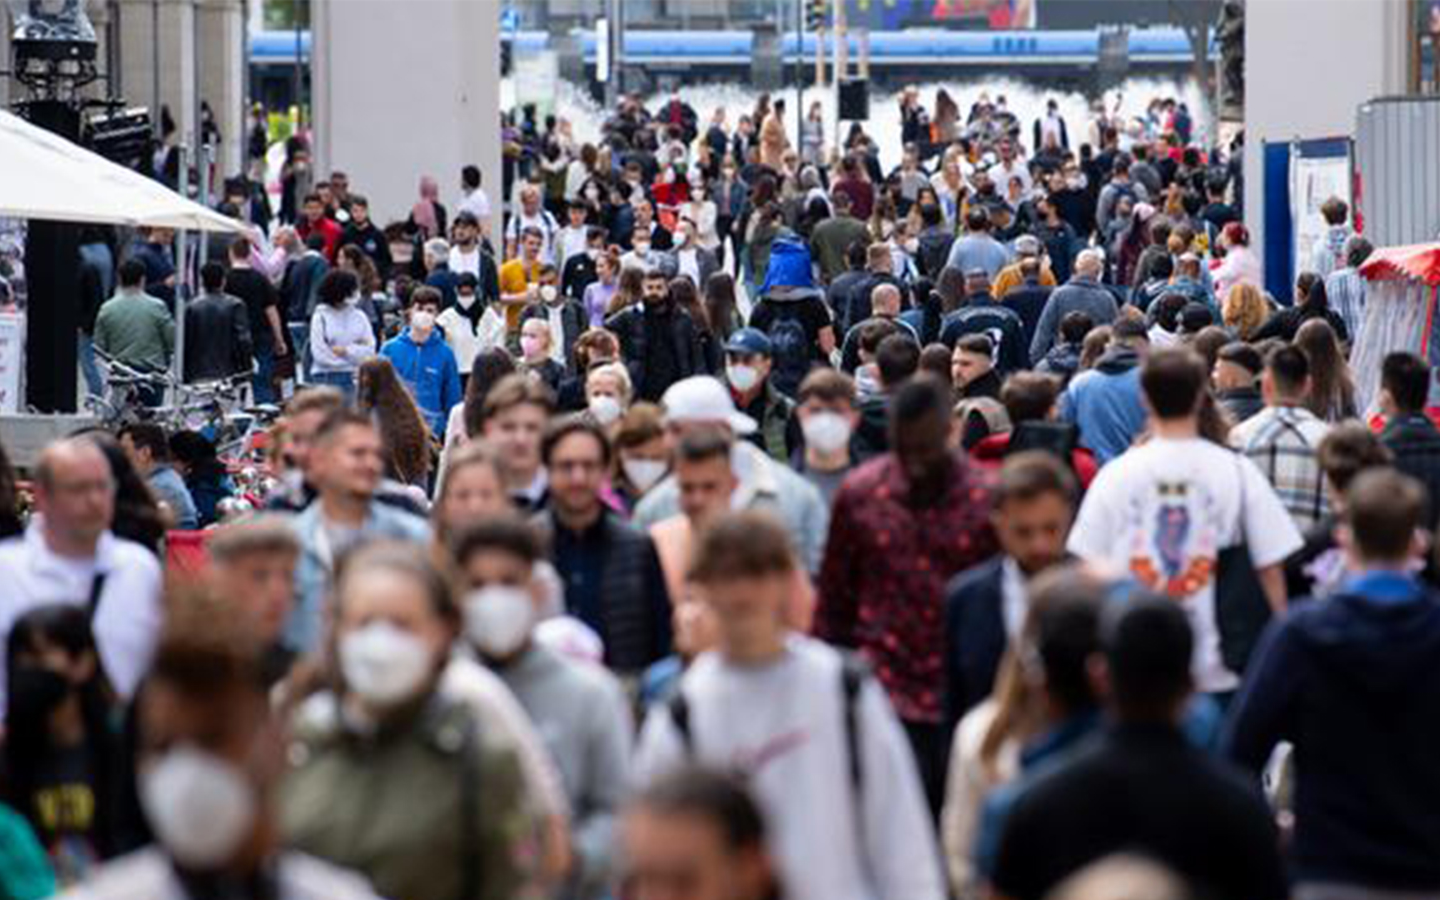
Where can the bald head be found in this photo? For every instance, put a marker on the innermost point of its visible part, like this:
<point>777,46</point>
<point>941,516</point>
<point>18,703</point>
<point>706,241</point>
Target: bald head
<point>1090,263</point>
<point>75,494</point>
<point>885,301</point>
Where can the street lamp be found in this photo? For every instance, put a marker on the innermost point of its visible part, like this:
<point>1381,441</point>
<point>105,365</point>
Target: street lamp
<point>54,47</point>
<point>53,55</point>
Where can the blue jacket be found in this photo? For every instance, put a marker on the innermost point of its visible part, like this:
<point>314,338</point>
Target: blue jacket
<point>1105,403</point>
<point>430,372</point>
<point>1353,681</point>
<point>315,569</point>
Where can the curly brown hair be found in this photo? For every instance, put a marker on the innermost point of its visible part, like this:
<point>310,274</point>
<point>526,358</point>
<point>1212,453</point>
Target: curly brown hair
<point>380,394</point>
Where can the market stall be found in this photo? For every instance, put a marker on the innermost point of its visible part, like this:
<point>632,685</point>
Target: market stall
<point>1400,299</point>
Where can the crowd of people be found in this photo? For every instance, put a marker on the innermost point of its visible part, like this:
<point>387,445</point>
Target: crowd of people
<point>742,522</point>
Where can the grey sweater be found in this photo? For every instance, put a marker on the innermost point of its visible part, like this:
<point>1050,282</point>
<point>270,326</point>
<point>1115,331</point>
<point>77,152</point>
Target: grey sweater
<point>581,714</point>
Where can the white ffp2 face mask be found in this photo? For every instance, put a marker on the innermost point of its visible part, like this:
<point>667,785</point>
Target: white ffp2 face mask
<point>498,619</point>
<point>827,432</point>
<point>383,664</point>
<point>605,409</point>
<point>422,320</point>
<point>201,807</point>
<point>644,473</point>
<point>742,378</point>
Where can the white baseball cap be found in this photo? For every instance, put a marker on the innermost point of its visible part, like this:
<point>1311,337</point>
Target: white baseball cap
<point>704,399</point>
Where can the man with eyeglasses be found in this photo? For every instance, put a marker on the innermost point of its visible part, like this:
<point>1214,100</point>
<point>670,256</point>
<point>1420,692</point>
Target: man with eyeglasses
<point>69,556</point>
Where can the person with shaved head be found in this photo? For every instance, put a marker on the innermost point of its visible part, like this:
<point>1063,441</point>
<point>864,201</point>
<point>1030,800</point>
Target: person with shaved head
<point>68,556</point>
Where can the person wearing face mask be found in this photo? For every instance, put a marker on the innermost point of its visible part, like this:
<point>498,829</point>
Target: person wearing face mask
<point>607,395</point>
<point>642,254</point>
<point>424,362</point>
<point>346,467</point>
<point>580,708</point>
<point>691,259</point>
<point>641,452</point>
<point>535,359</point>
<point>340,334</point>
<point>470,327</point>
<point>62,753</point>
<point>209,762</point>
<point>828,415</point>
<point>564,319</point>
<point>748,361</point>
<point>612,576</point>
<point>392,775</point>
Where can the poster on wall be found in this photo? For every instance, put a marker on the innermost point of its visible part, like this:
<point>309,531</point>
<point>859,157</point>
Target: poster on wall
<point>12,361</point>
<point>1319,170</point>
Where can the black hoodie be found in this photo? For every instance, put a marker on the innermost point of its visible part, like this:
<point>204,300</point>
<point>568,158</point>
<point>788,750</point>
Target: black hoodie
<point>1354,683</point>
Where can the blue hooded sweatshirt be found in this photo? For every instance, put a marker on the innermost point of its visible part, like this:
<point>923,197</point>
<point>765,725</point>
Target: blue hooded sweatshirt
<point>430,372</point>
<point>1353,681</point>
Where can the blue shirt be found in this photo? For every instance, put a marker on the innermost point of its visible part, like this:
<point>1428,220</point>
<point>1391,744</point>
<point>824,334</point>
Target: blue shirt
<point>170,487</point>
<point>430,372</point>
<point>1106,407</point>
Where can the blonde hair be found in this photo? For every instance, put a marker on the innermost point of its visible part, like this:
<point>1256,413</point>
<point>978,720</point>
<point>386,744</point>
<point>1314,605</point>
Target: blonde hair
<point>1244,310</point>
<point>620,374</point>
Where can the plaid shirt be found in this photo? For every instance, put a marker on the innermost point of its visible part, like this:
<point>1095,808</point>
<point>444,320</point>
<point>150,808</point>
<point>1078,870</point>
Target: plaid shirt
<point>1346,292</point>
<point>1284,442</point>
<point>882,585</point>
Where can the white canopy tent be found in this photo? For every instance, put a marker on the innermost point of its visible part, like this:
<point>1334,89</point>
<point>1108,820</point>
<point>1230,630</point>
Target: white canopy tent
<point>44,176</point>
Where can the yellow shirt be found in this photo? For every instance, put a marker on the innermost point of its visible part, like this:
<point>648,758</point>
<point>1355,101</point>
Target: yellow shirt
<point>515,278</point>
<point>1008,278</point>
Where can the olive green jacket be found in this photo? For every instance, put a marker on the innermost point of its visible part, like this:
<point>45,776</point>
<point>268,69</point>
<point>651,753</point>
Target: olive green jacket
<point>427,807</point>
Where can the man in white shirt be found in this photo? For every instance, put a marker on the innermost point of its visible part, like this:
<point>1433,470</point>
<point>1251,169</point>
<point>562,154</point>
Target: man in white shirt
<point>69,556</point>
<point>531,215</point>
<point>1165,509</point>
<point>473,198</point>
<point>822,749</point>
<point>574,238</point>
<point>465,252</point>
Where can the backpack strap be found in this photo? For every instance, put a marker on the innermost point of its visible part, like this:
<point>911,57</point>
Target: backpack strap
<point>853,673</point>
<point>679,708</point>
<point>92,604</point>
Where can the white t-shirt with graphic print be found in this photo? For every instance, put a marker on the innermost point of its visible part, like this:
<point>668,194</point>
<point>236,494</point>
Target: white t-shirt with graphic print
<point>1164,510</point>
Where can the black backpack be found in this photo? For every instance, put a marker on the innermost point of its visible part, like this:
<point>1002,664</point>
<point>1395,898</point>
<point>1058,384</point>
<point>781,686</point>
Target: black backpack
<point>790,347</point>
<point>853,673</point>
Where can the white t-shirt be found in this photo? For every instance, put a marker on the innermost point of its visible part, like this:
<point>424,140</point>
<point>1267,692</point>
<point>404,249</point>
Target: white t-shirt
<point>1164,510</point>
<point>462,260</point>
<point>783,722</point>
<point>128,616</point>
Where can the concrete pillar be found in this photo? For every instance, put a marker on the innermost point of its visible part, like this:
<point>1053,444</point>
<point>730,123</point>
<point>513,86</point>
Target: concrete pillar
<point>220,25</point>
<point>175,47</point>
<point>405,89</point>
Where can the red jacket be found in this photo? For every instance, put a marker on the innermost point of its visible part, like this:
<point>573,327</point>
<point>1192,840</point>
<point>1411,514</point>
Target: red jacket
<point>991,452</point>
<point>327,228</point>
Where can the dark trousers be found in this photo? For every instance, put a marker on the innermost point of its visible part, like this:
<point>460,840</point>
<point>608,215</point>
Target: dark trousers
<point>930,742</point>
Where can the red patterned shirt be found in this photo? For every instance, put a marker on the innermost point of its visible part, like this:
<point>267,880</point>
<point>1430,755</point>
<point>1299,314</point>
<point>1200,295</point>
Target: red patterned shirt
<point>882,584</point>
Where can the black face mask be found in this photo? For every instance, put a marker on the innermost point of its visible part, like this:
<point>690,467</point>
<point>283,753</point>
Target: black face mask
<point>35,691</point>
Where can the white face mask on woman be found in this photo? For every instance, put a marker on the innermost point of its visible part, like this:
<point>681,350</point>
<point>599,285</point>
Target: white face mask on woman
<point>827,432</point>
<point>202,807</point>
<point>605,409</point>
<point>383,664</point>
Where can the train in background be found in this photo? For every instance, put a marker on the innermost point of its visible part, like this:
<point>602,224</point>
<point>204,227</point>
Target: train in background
<point>1061,58</point>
